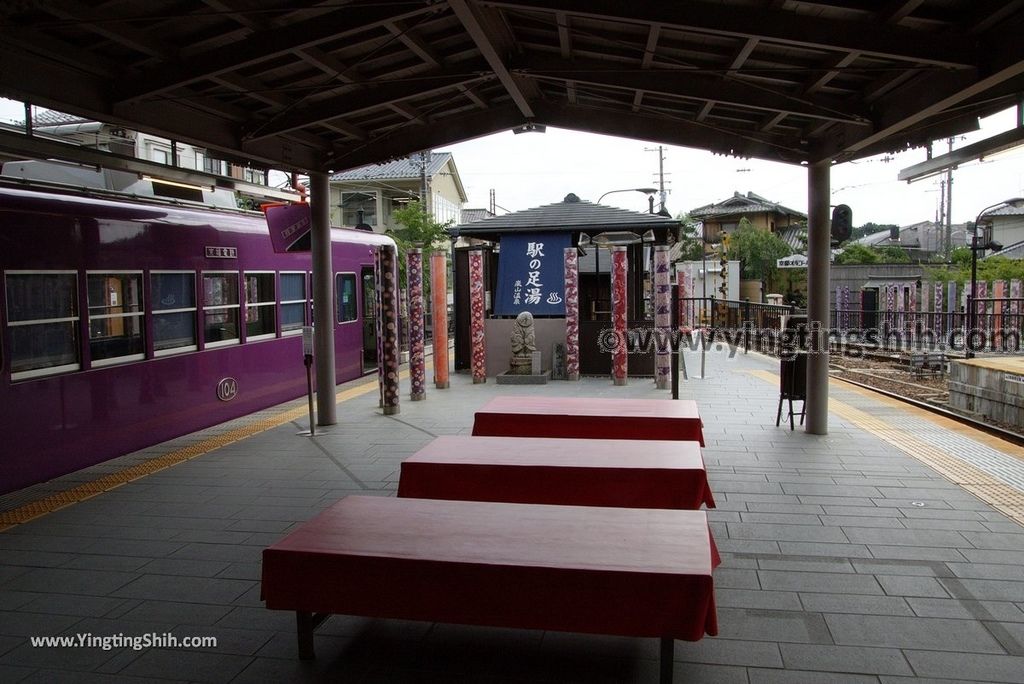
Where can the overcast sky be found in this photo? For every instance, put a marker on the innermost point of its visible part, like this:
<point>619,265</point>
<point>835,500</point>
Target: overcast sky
<point>534,169</point>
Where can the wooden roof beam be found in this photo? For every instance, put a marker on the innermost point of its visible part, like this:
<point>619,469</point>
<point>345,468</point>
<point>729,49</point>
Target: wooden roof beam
<point>949,49</point>
<point>379,94</point>
<point>686,84</point>
<point>259,47</point>
<point>492,43</point>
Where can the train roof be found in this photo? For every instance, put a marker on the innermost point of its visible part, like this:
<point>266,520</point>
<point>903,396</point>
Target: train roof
<point>104,203</point>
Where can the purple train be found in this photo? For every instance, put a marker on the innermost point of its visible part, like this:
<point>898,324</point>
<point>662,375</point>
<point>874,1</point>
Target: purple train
<point>127,323</point>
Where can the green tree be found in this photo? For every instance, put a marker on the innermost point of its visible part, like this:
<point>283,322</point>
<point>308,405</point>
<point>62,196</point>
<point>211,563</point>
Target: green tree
<point>692,241</point>
<point>758,251</point>
<point>417,228</point>
<point>891,254</point>
<point>857,253</point>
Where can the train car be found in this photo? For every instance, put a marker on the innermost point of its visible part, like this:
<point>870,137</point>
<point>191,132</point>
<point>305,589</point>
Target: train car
<point>127,323</point>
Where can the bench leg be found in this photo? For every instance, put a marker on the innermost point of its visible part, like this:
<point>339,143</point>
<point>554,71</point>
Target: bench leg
<point>305,623</point>
<point>667,659</point>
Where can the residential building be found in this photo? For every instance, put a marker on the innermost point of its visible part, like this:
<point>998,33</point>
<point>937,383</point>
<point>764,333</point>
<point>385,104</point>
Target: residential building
<point>724,217</point>
<point>378,190</point>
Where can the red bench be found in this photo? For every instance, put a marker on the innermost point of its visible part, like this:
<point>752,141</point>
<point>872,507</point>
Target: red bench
<point>587,417</point>
<point>626,572</point>
<point>578,472</point>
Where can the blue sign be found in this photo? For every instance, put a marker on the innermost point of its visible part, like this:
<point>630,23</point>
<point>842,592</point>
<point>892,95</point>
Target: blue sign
<point>531,274</point>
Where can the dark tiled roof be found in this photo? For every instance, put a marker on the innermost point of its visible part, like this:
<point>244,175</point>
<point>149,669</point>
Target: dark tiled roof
<point>474,215</point>
<point>48,117</point>
<point>398,169</point>
<point>795,237</point>
<point>571,213</point>
<point>750,203</point>
<point>1014,251</point>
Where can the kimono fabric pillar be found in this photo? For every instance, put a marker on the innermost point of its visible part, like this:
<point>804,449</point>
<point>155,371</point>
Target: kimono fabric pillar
<point>572,314</point>
<point>389,327</point>
<point>619,308</point>
<point>662,318</point>
<point>476,316</point>
<point>417,358</point>
<point>378,327</point>
<point>439,315</point>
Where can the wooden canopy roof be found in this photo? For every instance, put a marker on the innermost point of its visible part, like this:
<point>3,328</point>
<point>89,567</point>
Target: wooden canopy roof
<point>331,85</point>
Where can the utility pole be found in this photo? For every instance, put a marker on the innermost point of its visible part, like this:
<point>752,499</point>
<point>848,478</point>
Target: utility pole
<point>491,207</point>
<point>662,193</point>
<point>424,181</point>
<point>949,205</point>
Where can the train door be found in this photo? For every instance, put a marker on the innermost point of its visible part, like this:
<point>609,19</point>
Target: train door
<point>369,319</point>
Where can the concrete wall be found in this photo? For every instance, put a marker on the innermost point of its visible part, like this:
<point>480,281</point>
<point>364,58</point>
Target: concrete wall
<point>498,332</point>
<point>991,392</point>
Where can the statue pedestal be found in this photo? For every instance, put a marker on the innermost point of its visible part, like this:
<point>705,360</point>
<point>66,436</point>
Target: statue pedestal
<point>510,378</point>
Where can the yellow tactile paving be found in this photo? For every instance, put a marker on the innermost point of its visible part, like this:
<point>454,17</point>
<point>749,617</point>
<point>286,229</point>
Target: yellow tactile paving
<point>1006,499</point>
<point>90,489</point>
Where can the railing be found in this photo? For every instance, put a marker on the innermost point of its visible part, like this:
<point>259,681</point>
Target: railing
<point>998,326</point>
<point>738,322</point>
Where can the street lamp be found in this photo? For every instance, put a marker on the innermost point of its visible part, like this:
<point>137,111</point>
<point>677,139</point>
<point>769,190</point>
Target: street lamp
<point>972,309</point>
<point>646,191</point>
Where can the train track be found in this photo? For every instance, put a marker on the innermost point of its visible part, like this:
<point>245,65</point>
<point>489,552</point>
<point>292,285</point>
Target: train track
<point>984,426</point>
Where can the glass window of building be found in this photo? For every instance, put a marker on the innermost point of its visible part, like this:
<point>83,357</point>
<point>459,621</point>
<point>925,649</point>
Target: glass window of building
<point>174,312</point>
<point>353,202</point>
<point>220,309</point>
<point>42,315</point>
<point>115,317</point>
<point>260,306</point>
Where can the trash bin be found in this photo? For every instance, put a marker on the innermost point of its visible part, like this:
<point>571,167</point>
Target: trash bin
<point>792,385</point>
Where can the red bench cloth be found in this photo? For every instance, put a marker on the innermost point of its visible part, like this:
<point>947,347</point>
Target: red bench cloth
<point>628,572</point>
<point>578,472</point>
<point>587,417</point>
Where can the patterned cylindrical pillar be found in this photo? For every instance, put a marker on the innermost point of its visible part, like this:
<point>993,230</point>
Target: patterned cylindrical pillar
<point>572,314</point>
<point>1015,308</point>
<point>389,326</point>
<point>952,306</point>
<point>998,292</point>
<point>417,357</point>
<point>378,326</point>
<point>478,344</point>
<point>619,313</point>
<point>439,315</point>
<point>662,318</point>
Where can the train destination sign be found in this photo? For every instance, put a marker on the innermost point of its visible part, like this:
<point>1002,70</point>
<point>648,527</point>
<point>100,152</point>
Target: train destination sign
<point>290,226</point>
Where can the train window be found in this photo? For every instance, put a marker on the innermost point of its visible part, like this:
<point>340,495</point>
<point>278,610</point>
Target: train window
<point>174,312</point>
<point>220,309</point>
<point>293,302</point>
<point>42,314</point>
<point>115,317</point>
<point>345,291</point>
<point>260,306</point>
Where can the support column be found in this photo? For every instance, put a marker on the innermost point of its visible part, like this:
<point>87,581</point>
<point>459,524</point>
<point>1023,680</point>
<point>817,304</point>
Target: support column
<point>417,357</point>
<point>818,252</point>
<point>478,343</point>
<point>389,327</point>
<point>662,318</point>
<point>572,314</point>
<point>620,307</point>
<point>439,316</point>
<point>323,339</point>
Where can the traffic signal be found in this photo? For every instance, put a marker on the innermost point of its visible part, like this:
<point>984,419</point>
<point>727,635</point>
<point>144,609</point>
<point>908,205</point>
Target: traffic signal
<point>842,223</point>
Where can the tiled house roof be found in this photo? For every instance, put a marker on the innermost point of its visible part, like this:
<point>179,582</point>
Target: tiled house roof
<point>397,169</point>
<point>572,213</point>
<point>739,204</point>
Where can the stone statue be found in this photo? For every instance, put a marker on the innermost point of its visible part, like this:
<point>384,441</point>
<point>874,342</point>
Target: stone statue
<point>524,343</point>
